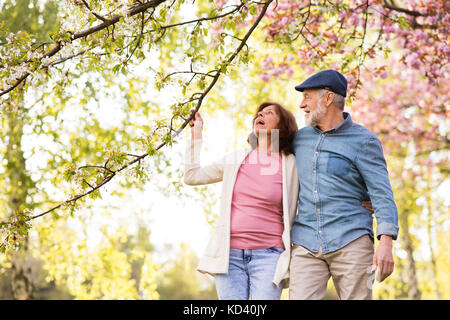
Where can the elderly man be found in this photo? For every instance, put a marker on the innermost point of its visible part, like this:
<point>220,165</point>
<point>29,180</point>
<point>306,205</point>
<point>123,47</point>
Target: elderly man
<point>340,163</point>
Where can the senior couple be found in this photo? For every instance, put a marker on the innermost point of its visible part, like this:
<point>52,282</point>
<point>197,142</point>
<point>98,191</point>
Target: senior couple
<point>293,204</point>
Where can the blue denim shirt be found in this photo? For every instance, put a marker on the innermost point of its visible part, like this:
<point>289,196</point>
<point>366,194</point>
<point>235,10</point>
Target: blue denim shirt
<point>337,170</point>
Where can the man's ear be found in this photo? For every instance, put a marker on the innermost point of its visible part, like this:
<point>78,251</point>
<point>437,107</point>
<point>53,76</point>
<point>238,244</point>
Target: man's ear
<point>330,98</point>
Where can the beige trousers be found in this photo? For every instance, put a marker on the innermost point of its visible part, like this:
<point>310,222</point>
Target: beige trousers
<point>349,267</point>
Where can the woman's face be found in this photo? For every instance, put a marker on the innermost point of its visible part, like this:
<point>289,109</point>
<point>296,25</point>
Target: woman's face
<point>267,119</point>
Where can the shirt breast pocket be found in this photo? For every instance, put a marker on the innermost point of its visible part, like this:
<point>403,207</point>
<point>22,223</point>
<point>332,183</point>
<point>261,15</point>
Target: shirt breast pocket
<point>338,165</point>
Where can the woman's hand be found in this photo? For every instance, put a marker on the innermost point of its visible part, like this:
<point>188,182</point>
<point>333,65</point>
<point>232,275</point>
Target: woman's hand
<point>368,206</point>
<point>197,121</point>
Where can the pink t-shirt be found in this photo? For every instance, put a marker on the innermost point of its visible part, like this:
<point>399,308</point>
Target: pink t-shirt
<point>257,203</point>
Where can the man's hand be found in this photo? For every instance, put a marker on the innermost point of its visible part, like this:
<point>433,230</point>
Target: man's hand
<point>383,259</point>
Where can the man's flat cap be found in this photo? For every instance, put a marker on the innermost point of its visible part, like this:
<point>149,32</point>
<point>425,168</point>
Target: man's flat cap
<point>327,79</point>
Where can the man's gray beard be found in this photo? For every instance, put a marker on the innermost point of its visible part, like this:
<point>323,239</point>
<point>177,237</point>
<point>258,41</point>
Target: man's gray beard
<point>315,116</point>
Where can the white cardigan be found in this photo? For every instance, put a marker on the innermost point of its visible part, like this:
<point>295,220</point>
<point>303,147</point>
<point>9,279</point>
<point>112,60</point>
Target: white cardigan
<point>216,256</point>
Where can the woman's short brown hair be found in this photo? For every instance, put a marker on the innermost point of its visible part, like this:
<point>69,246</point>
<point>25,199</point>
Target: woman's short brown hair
<point>287,127</point>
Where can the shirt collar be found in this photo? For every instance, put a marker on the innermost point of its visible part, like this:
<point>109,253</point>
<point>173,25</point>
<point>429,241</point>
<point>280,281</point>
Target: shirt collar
<point>347,123</point>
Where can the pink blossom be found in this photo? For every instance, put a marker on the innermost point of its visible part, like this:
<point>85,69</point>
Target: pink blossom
<point>216,29</point>
<point>421,35</point>
<point>354,19</point>
<point>220,3</point>
<point>384,75</point>
<point>432,20</point>
<point>277,71</point>
<point>289,72</point>
<point>214,44</point>
<point>314,42</point>
<point>284,21</point>
<point>284,6</point>
<point>411,45</point>
<point>423,10</point>
<point>413,60</point>
<point>241,25</point>
<point>389,29</point>
<point>267,63</point>
<point>447,50</point>
<point>351,82</point>
<point>265,77</point>
<point>270,14</point>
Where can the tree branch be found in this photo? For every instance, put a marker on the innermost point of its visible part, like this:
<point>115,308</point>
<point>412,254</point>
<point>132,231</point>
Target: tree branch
<point>363,55</point>
<point>113,20</point>
<point>93,13</point>
<point>408,12</point>
<point>141,32</point>
<point>162,144</point>
<point>237,8</point>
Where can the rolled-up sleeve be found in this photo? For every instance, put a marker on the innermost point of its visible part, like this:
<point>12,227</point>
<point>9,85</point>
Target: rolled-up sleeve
<point>372,166</point>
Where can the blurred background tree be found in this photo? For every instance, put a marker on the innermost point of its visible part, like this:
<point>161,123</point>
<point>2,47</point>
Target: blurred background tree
<point>38,21</point>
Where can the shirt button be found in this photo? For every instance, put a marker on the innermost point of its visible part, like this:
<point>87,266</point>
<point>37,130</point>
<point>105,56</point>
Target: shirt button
<point>320,231</point>
<point>323,135</point>
<point>315,191</point>
<point>314,171</point>
<point>318,209</point>
<point>317,152</point>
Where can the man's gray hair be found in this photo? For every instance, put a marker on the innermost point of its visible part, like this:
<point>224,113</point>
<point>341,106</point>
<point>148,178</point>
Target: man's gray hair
<point>338,100</point>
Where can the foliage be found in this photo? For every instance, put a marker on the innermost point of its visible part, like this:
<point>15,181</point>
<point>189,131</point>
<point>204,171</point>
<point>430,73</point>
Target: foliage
<point>180,281</point>
<point>107,89</point>
<point>119,266</point>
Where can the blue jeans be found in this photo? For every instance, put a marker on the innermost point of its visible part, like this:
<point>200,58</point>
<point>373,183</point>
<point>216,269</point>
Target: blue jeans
<point>250,274</point>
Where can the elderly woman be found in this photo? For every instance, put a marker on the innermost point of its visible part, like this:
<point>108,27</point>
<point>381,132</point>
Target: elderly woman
<point>249,250</point>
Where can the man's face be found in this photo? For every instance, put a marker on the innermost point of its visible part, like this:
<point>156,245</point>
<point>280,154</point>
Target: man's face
<point>313,106</point>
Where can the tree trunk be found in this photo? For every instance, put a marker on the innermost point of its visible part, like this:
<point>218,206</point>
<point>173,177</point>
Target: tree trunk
<point>430,207</point>
<point>19,184</point>
<point>410,268</point>
<point>22,276</point>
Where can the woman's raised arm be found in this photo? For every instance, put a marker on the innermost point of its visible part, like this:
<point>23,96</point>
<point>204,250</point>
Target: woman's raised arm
<point>194,174</point>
